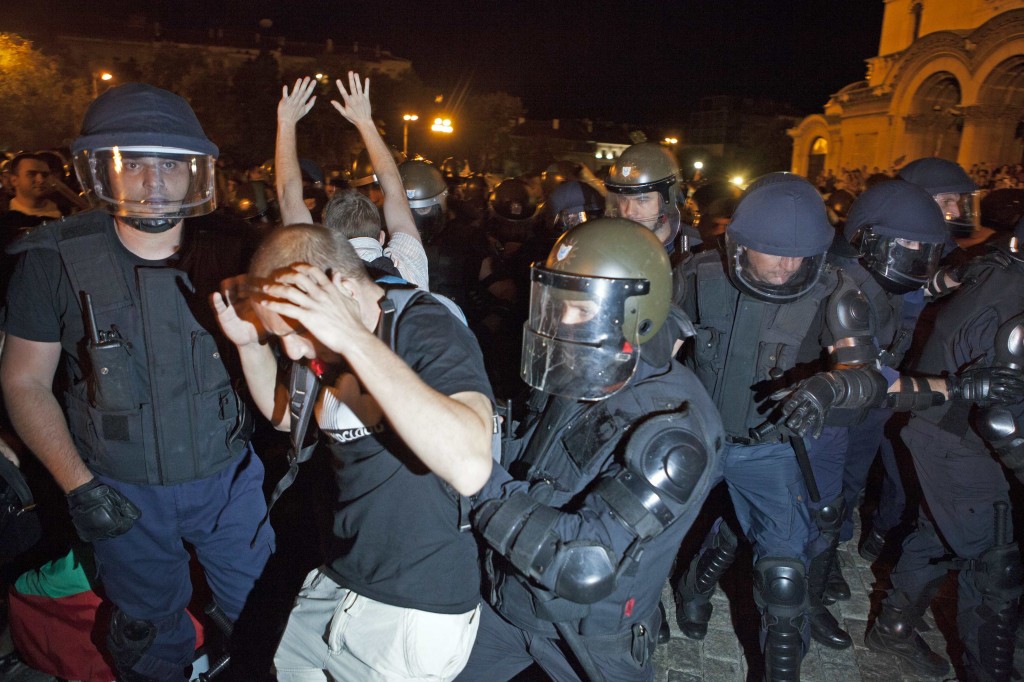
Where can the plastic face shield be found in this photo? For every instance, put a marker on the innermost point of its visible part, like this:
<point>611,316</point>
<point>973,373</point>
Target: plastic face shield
<point>901,260</point>
<point>570,218</point>
<point>576,342</point>
<point>149,182</point>
<point>764,277</point>
<point>960,212</point>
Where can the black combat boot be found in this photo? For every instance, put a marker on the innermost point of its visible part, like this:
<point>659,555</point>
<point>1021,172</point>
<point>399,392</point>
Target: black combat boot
<point>825,629</point>
<point>872,545</point>
<point>693,595</point>
<point>836,587</point>
<point>894,633</point>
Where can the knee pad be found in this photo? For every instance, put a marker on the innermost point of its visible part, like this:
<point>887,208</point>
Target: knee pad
<point>998,574</point>
<point>829,519</point>
<point>780,588</point>
<point>128,641</point>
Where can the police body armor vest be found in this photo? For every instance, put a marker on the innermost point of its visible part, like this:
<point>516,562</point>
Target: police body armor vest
<point>156,405</point>
<point>744,345</point>
<point>564,450</point>
<point>996,286</point>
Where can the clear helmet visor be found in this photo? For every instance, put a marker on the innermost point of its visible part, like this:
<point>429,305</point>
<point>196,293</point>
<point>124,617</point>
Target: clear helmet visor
<point>148,182</point>
<point>647,208</point>
<point>960,211</point>
<point>577,341</point>
<point>776,279</point>
<point>570,218</point>
<point>905,262</point>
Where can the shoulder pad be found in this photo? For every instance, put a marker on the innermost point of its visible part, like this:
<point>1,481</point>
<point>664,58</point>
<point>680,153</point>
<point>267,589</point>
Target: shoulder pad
<point>40,237</point>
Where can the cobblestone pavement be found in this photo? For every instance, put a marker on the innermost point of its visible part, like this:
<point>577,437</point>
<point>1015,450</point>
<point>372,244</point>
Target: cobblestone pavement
<point>725,656</point>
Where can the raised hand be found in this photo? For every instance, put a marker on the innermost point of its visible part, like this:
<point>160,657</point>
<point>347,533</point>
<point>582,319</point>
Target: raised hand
<point>293,106</point>
<point>355,102</point>
<point>234,312</point>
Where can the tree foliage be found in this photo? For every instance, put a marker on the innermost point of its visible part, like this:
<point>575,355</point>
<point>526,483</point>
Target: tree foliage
<point>45,90</point>
<point>40,106</point>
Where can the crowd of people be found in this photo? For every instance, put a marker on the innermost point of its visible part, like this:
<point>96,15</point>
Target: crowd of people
<point>519,394</point>
<point>856,180</point>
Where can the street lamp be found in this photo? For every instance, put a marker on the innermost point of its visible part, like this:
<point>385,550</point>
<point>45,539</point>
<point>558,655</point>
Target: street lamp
<point>405,131</point>
<point>671,140</point>
<point>104,76</point>
<point>442,125</point>
<point>697,165</point>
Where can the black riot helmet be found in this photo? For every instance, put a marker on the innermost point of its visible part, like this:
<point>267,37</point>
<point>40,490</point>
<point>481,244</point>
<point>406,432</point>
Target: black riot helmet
<point>900,232</point>
<point>557,173</point>
<point>455,169</point>
<point>641,169</point>
<point>1014,247</point>
<point>362,171</point>
<point>952,189</point>
<point>512,209</point>
<point>714,204</point>
<point>1002,209</point>
<point>511,201</point>
<point>469,199</point>
<point>777,239</point>
<point>839,203</point>
<point>604,289</point>
<point>143,156</point>
<point>427,193</point>
<point>572,203</point>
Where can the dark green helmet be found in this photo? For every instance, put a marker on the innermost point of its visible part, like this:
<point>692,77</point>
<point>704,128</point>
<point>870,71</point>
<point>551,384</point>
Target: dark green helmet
<point>604,290</point>
<point>362,169</point>
<point>424,186</point>
<point>645,167</point>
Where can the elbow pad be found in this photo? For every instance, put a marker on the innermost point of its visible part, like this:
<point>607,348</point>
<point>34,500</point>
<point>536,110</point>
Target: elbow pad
<point>666,459</point>
<point>1006,435</point>
<point>522,530</point>
<point>849,321</point>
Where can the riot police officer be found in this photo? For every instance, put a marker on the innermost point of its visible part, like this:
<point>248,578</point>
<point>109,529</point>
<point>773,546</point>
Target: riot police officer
<point>976,344</point>
<point>643,186</point>
<point>448,245</point>
<point>154,448</point>
<point>499,297</point>
<point>952,189</point>
<point>893,241</point>
<point>609,466</point>
<point>763,310</point>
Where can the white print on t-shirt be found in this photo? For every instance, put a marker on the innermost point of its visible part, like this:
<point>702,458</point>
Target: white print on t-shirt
<point>345,413</point>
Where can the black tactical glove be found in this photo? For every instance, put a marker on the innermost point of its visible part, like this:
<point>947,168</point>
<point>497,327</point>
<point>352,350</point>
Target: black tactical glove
<point>99,512</point>
<point>805,408</point>
<point>987,386</point>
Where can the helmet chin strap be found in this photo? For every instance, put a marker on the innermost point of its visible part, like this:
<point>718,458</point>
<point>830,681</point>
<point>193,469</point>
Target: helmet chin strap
<point>151,225</point>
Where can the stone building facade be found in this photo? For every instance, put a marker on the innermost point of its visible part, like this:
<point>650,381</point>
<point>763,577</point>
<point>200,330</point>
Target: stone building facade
<point>948,81</point>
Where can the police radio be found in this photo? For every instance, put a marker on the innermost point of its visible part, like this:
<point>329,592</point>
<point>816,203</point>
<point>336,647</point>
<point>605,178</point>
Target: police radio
<point>110,382</point>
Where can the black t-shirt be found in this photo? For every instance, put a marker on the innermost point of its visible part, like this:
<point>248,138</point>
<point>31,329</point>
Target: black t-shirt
<point>41,303</point>
<point>12,225</point>
<point>396,525</point>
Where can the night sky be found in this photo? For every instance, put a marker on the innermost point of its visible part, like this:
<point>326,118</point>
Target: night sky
<point>632,60</point>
